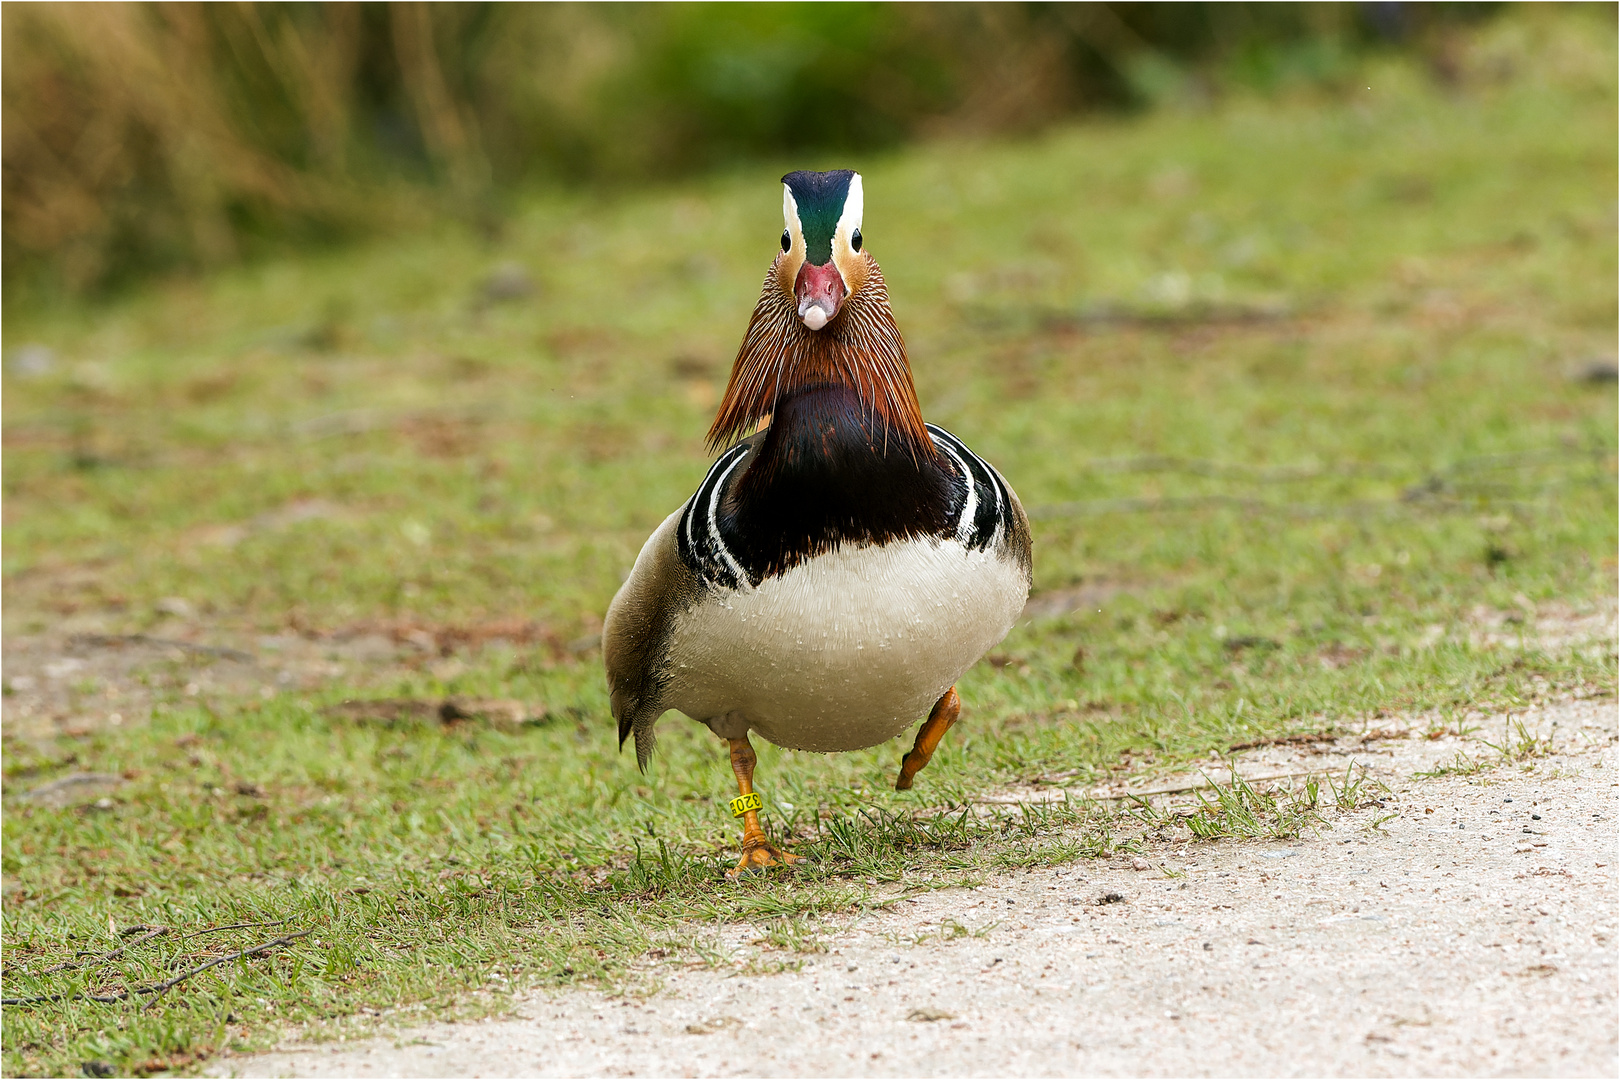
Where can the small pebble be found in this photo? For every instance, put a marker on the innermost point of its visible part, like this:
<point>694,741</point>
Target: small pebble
<point>1535,817</point>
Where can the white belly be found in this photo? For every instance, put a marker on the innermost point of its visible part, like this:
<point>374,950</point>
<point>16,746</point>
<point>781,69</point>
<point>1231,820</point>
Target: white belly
<point>846,650</point>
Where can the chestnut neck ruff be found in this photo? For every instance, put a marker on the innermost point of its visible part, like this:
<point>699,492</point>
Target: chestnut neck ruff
<point>860,349</point>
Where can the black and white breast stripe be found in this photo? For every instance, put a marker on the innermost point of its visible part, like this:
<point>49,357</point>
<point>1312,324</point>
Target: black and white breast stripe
<point>980,515</point>
<point>985,515</point>
<point>701,546</point>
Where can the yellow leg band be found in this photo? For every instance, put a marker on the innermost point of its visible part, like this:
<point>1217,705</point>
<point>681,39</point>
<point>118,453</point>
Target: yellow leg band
<point>744,803</point>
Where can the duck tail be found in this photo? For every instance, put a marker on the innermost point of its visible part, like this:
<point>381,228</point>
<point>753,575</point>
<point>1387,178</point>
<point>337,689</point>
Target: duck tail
<point>646,742</point>
<point>632,724</point>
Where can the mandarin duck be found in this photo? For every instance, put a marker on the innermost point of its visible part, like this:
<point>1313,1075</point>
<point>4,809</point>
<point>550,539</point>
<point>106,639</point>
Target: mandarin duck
<point>842,563</point>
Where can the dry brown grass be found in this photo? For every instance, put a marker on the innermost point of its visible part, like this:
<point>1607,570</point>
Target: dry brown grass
<point>141,137</point>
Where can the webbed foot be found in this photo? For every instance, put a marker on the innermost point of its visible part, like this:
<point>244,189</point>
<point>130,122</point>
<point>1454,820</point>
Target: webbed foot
<point>759,855</point>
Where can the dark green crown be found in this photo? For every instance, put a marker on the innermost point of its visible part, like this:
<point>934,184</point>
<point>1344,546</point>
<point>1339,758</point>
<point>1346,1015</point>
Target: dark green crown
<point>820,196</point>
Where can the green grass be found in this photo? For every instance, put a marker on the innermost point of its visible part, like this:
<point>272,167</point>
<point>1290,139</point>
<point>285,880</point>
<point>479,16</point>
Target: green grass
<point>1285,386</point>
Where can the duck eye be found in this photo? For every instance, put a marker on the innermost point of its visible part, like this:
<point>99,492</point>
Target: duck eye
<point>787,241</point>
<point>855,240</point>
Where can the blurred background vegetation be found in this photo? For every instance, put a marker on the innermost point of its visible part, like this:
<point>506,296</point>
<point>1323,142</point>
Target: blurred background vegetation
<point>353,352</point>
<point>151,138</point>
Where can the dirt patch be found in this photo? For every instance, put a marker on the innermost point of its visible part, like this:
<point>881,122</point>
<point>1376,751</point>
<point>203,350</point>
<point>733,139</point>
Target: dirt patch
<point>1467,925</point>
<point>1388,753</point>
<point>80,682</point>
<point>85,677</point>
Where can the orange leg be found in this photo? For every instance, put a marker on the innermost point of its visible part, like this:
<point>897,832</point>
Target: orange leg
<point>758,852</point>
<point>939,721</point>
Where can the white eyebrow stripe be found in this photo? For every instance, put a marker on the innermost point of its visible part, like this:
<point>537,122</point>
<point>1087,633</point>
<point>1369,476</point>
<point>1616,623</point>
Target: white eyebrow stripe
<point>790,216</point>
<point>854,205</point>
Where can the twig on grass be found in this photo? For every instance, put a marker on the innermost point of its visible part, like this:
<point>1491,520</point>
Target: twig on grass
<point>103,958</point>
<point>159,989</point>
<point>236,926</point>
<point>163,988</point>
<point>1285,740</point>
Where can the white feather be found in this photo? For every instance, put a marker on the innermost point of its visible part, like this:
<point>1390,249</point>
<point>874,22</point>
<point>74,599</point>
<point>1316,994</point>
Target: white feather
<point>790,217</point>
<point>846,650</point>
<point>854,205</point>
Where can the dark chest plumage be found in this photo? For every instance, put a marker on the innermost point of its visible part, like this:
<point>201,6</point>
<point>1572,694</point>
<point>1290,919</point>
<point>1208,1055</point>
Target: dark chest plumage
<point>825,474</point>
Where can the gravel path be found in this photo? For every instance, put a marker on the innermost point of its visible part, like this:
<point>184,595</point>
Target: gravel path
<point>1472,933</point>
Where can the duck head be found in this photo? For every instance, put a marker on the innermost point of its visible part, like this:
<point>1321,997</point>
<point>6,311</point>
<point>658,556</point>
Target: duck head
<point>823,323</point>
<point>821,263</point>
